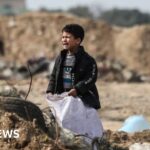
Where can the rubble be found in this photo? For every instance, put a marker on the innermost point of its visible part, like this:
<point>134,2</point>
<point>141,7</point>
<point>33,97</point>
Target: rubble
<point>37,34</point>
<point>34,135</point>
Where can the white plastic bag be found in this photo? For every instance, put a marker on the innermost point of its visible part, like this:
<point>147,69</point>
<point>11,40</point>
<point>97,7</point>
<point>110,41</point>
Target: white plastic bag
<point>72,114</point>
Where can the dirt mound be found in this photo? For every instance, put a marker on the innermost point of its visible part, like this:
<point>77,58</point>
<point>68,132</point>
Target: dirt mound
<point>31,137</point>
<point>132,47</point>
<point>37,34</point>
<point>122,140</point>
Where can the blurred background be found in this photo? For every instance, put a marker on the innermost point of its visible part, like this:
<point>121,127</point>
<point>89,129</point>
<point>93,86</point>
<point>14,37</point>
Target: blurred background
<point>117,36</point>
<point>113,11</point>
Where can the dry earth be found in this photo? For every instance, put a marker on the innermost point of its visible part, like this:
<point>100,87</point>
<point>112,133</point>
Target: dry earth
<point>118,100</point>
<point>121,100</point>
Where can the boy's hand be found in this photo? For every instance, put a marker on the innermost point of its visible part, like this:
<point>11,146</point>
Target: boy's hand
<point>72,92</point>
<point>49,94</point>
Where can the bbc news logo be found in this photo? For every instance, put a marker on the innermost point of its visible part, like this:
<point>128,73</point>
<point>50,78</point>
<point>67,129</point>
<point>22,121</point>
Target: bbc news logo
<point>9,134</point>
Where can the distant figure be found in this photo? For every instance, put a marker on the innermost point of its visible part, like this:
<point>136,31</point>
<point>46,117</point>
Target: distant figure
<point>75,71</point>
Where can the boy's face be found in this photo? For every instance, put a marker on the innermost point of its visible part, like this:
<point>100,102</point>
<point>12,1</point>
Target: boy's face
<point>69,41</point>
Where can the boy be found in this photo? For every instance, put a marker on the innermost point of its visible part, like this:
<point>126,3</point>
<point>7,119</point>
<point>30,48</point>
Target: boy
<point>75,71</point>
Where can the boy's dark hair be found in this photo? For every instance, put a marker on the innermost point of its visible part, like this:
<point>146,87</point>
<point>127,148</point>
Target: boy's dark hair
<point>76,30</point>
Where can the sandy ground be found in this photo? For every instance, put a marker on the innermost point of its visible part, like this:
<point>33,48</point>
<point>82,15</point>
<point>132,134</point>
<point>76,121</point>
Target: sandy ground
<point>118,100</point>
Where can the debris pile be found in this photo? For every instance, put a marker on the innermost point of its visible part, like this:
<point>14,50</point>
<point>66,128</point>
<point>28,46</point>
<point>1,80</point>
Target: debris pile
<point>37,34</point>
<point>25,120</point>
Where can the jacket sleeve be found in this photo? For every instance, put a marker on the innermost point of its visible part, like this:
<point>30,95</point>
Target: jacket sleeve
<point>90,78</point>
<point>52,81</point>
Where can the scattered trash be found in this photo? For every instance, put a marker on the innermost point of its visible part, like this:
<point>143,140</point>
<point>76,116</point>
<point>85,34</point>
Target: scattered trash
<point>135,123</point>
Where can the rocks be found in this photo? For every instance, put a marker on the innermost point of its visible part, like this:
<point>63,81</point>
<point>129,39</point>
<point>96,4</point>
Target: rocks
<point>7,90</point>
<point>73,142</point>
<point>112,70</point>
<point>14,71</point>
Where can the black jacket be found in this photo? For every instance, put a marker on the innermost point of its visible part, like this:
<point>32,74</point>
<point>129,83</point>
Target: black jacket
<point>84,76</point>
